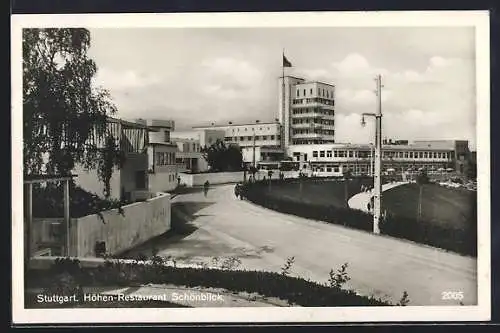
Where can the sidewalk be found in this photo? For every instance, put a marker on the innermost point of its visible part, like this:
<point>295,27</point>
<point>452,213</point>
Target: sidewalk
<point>360,201</point>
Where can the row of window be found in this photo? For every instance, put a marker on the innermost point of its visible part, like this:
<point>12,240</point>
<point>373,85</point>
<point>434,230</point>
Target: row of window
<point>321,92</point>
<point>385,154</point>
<point>313,100</point>
<point>313,110</point>
<point>313,121</point>
<point>250,138</point>
<point>164,158</point>
<point>251,129</point>
<point>311,141</point>
<point>365,168</point>
<point>317,131</point>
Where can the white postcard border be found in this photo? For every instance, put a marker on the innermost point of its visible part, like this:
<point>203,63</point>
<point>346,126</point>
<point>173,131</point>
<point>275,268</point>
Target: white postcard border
<point>477,19</point>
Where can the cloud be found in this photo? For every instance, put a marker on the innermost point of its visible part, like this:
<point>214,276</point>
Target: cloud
<point>122,80</point>
<point>232,73</point>
<point>436,102</point>
<point>354,64</point>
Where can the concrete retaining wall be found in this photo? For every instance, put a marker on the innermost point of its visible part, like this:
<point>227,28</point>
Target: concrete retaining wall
<point>213,178</point>
<point>139,222</point>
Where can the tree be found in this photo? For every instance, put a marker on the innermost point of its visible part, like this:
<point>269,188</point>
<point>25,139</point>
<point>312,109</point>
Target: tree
<point>223,158</point>
<point>64,114</point>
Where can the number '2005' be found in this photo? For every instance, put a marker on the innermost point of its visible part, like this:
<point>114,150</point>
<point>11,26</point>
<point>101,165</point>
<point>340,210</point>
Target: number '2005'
<point>452,295</point>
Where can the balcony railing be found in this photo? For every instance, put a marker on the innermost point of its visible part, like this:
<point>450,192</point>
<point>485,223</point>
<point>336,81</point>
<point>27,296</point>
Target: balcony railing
<point>308,115</point>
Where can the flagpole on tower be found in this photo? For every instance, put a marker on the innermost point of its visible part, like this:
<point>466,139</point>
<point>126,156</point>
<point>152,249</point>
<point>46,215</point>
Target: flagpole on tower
<point>282,126</point>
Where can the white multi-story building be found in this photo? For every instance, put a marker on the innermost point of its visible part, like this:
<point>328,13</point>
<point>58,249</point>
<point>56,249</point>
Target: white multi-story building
<point>304,136</point>
<point>308,113</point>
<point>259,142</point>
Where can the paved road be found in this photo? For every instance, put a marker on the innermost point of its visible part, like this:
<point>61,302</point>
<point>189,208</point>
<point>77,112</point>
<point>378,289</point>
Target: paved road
<point>360,201</point>
<point>264,239</point>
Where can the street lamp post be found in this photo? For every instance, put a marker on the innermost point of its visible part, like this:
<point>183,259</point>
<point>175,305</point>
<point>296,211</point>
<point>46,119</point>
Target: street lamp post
<point>377,181</point>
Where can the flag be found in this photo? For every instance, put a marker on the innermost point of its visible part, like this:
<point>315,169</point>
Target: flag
<point>286,63</point>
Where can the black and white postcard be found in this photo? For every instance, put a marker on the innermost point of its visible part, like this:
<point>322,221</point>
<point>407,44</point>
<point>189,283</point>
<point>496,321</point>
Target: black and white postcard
<point>251,167</point>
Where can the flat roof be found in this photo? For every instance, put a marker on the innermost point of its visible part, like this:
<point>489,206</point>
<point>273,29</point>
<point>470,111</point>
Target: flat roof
<point>326,84</point>
<point>293,77</point>
<point>233,125</point>
<point>163,143</point>
<point>131,124</point>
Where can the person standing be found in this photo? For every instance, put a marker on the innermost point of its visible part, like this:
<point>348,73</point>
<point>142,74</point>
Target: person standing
<point>237,191</point>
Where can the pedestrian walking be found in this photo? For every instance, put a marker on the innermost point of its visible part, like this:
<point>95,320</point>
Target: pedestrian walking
<point>205,188</point>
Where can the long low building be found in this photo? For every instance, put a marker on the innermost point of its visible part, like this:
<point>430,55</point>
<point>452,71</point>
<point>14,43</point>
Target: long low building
<point>334,159</point>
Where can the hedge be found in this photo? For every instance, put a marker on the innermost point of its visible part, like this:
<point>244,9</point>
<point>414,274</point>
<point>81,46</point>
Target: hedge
<point>462,241</point>
<point>268,284</point>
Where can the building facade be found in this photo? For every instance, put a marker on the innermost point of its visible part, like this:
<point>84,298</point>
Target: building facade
<point>188,156</point>
<point>128,181</point>
<point>306,111</point>
<point>335,159</point>
<point>161,174</point>
<point>259,142</point>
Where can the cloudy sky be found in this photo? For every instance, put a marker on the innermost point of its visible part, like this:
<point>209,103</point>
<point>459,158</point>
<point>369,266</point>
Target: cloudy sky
<point>198,76</point>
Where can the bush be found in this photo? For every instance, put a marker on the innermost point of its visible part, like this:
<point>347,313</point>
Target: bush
<point>49,202</point>
<point>269,284</point>
<point>463,241</point>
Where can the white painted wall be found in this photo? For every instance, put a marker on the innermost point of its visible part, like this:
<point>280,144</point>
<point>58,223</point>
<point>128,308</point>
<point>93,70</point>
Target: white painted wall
<point>191,180</point>
<point>140,222</point>
<point>89,180</point>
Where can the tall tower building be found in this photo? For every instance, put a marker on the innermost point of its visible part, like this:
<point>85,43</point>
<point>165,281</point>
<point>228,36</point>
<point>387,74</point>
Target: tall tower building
<point>306,112</point>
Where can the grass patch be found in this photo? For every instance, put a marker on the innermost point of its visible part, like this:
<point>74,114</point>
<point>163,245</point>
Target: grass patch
<point>452,208</point>
<point>325,201</point>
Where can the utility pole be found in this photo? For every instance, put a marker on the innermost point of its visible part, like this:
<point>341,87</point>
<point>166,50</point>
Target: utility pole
<point>378,158</point>
<point>377,177</point>
<point>253,158</point>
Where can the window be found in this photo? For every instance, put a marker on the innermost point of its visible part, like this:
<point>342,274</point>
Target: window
<point>304,92</point>
<point>311,91</point>
<point>328,153</point>
<point>272,137</point>
<point>322,153</point>
<point>298,92</point>
<point>315,153</point>
<point>264,137</point>
<point>167,136</point>
<point>249,138</point>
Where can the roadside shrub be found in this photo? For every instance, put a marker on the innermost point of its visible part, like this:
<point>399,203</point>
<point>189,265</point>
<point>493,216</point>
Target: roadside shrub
<point>268,284</point>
